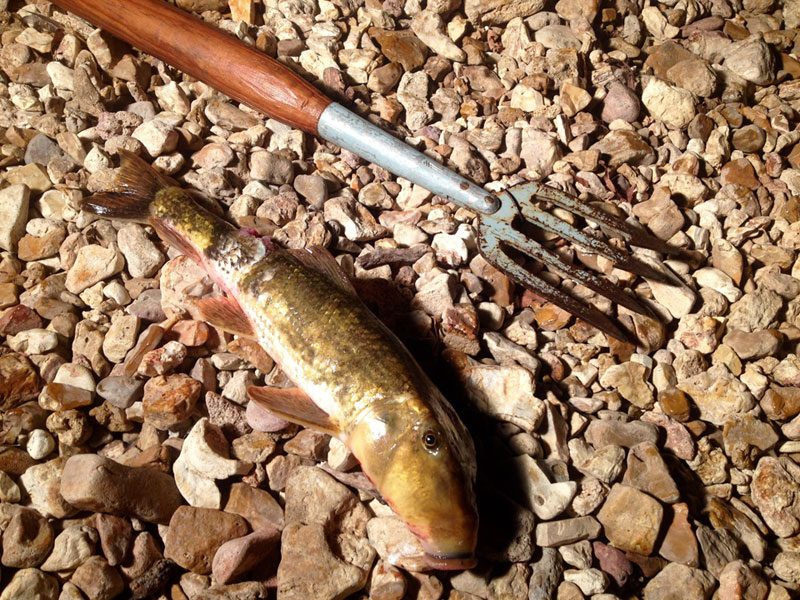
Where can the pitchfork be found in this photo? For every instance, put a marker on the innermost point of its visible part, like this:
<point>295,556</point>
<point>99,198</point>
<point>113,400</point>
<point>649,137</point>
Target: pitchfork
<point>255,79</point>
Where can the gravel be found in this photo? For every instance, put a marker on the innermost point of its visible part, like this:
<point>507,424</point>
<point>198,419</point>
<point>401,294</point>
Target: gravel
<point>131,464</point>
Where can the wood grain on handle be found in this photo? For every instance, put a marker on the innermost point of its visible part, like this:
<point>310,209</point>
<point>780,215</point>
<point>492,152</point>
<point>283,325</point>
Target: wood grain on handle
<point>210,55</point>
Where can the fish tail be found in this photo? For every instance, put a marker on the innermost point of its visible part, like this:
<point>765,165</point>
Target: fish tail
<point>135,187</point>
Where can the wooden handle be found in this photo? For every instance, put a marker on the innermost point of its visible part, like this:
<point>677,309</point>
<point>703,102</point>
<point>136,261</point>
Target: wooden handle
<point>210,55</point>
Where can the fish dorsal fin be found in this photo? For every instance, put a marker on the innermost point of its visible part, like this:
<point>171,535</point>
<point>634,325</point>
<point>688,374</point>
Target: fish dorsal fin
<point>322,261</point>
<point>226,314</point>
<point>293,405</point>
<point>133,189</point>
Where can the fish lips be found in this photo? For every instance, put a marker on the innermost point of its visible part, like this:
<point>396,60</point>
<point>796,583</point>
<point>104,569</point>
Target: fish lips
<point>455,562</point>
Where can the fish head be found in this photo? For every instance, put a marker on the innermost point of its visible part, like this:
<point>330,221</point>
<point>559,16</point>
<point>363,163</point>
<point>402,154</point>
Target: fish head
<point>423,464</point>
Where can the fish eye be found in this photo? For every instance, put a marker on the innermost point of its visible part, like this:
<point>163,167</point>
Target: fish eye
<point>430,440</point>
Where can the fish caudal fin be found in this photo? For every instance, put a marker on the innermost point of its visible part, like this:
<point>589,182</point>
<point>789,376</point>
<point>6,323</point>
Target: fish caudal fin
<point>293,405</point>
<point>134,187</point>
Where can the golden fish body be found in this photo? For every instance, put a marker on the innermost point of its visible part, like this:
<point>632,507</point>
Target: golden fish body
<point>356,380</point>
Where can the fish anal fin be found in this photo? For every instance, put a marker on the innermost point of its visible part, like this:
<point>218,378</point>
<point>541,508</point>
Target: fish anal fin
<point>295,406</point>
<point>224,313</point>
<point>322,261</point>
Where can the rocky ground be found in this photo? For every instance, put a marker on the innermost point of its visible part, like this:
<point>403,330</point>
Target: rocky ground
<point>132,467</point>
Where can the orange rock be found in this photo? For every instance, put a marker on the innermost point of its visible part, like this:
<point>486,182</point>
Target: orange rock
<point>169,400</point>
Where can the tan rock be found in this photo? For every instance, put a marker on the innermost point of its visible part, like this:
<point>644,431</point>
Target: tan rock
<point>195,535</point>
<point>631,519</point>
<point>680,544</point>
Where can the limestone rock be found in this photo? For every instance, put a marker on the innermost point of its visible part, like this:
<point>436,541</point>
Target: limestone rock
<point>195,535</point>
<point>91,482</point>
<point>717,394</point>
<point>673,106</point>
<point>776,493</point>
<point>631,519</point>
<point>14,201</point>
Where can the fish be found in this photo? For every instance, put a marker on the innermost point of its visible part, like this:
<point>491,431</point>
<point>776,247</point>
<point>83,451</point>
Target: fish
<point>355,379</point>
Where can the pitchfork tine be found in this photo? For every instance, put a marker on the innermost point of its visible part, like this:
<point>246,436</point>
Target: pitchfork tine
<point>630,234</point>
<point>590,241</point>
<point>493,252</point>
<point>583,276</point>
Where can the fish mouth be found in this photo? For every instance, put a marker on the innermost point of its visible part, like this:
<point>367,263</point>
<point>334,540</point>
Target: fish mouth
<point>452,562</point>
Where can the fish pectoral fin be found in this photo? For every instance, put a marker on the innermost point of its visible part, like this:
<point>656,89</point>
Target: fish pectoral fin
<point>322,261</point>
<point>226,314</point>
<point>295,406</point>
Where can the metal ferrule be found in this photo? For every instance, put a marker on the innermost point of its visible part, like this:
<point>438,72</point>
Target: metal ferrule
<point>346,129</point>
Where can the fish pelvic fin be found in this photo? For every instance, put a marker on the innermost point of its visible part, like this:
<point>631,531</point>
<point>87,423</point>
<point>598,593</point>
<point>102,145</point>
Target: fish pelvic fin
<point>295,406</point>
<point>134,187</point>
<point>175,239</point>
<point>225,314</point>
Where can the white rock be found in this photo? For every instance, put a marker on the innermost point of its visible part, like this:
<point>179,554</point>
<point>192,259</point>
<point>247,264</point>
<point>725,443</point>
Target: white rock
<point>358,223</point>
<point>31,584</point>
<point>13,214</point>
<point>395,543</point>
<point>751,59</point>
<point>196,489</point>
<point>62,77</point>
<point>157,137</point>
<point>527,98</point>
<point>141,254</point>
<point>557,36</point>
<point>53,205</point>
<point>718,394</point>
<point>657,24</point>
<point>429,28</point>
<point>450,249</point>
<point>120,337</point>
<point>236,388</point>
<point>172,98</point>
<point>709,277</point>
<point>412,93</point>
<point>503,392</point>
<point>671,105</point>
<point>406,234</point>
<point>117,292</point>
<point>40,444</point>
<point>591,581</point>
<point>339,456</point>
<point>677,299</point>
<point>97,160</point>
<point>75,374</point>
<point>42,227</point>
<point>436,295</point>
<point>93,263</point>
<point>42,483</point>
<point>33,341</point>
<point>71,547</point>
<point>506,352</point>
<point>540,151</point>
<point>206,451</point>
<point>546,499</point>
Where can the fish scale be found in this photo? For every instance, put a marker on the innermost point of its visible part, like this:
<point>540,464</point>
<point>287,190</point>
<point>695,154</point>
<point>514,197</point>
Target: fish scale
<point>296,331</point>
